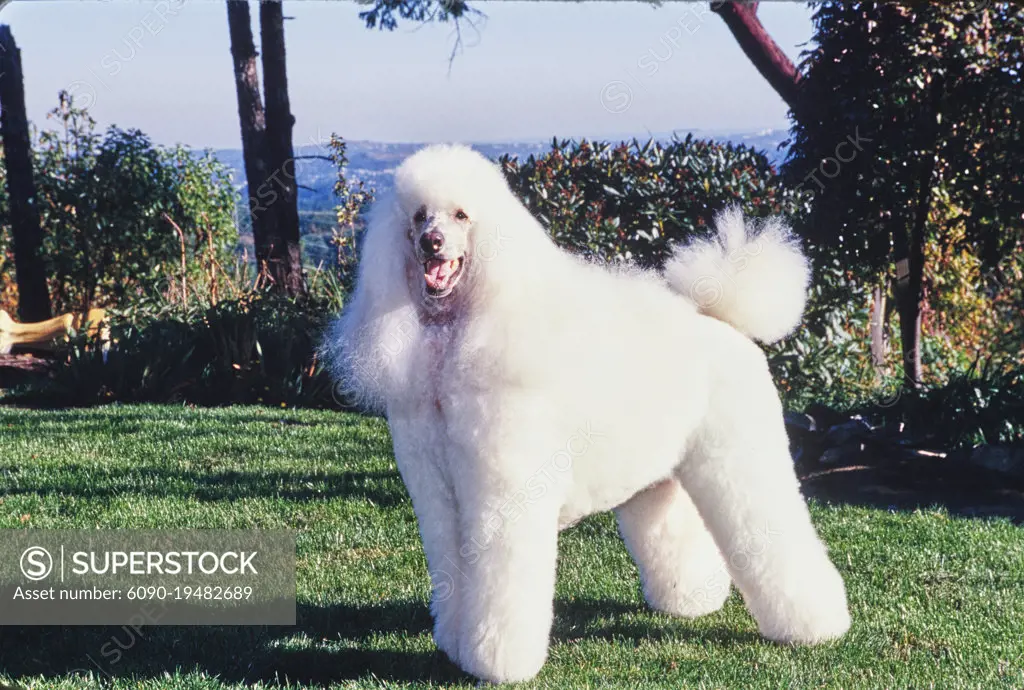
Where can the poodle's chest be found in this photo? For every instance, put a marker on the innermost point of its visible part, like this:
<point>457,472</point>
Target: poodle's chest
<point>444,359</point>
<point>434,355</point>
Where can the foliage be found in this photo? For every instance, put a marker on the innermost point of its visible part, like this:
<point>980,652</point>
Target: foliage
<point>827,361</point>
<point>630,201</point>
<point>121,216</point>
<point>8,284</point>
<point>911,134</point>
<point>982,404</point>
<point>973,311</point>
<point>353,200</point>
<point>910,83</point>
<point>204,210</point>
<point>385,14</point>
<point>259,348</point>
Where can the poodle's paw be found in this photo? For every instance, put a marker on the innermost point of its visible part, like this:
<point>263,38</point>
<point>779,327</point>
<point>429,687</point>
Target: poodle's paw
<point>699,587</point>
<point>446,637</point>
<point>813,611</point>
<point>444,608</point>
<point>689,603</point>
<point>503,654</point>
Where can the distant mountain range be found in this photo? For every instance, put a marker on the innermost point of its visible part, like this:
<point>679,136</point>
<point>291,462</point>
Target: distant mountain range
<point>374,163</point>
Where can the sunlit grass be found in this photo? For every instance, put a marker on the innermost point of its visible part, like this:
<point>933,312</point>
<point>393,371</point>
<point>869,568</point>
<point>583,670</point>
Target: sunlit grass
<point>937,601</point>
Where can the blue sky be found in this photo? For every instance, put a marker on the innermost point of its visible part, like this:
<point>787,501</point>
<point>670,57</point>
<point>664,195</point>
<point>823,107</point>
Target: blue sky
<point>530,71</point>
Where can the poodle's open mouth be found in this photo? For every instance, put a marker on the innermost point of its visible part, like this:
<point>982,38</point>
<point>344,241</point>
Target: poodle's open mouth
<point>441,275</point>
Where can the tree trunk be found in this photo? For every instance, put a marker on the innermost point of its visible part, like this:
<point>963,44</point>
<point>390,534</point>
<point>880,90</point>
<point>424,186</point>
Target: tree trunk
<point>279,145</point>
<point>273,248</point>
<point>910,265</point>
<point>761,49</point>
<point>26,231</point>
<point>908,304</point>
<point>909,253</point>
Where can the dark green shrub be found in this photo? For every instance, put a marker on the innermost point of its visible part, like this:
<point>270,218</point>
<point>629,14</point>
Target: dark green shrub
<point>260,348</point>
<point>121,215</point>
<point>982,405</point>
<point>630,201</point>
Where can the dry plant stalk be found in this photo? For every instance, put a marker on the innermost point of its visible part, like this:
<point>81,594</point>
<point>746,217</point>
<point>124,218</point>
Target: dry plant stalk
<point>184,265</point>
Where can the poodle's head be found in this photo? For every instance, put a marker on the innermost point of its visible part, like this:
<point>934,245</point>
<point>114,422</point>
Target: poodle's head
<point>449,205</point>
<point>450,240</point>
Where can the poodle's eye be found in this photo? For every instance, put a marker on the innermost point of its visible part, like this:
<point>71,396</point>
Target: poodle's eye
<point>461,215</point>
<point>420,215</point>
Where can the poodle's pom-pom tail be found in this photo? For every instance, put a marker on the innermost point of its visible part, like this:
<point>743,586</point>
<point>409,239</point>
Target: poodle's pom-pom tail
<point>751,274</point>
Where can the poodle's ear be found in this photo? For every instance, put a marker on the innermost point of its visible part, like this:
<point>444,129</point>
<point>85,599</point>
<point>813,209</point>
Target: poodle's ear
<point>381,277</point>
<point>365,347</point>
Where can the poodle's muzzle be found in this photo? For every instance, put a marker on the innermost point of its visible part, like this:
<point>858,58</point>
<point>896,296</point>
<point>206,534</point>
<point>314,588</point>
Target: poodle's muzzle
<point>441,271</point>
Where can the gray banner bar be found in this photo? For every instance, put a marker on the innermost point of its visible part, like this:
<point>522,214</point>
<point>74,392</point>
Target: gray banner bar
<point>147,577</point>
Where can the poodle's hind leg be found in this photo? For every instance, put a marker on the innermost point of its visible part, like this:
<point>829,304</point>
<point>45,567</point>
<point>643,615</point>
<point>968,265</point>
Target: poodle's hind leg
<point>741,478</point>
<point>681,569</point>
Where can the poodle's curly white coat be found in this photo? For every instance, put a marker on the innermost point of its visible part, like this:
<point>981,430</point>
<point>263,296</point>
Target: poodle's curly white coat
<point>526,389</point>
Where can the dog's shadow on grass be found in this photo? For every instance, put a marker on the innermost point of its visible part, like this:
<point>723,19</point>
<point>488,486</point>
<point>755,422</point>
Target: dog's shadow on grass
<point>617,621</point>
<point>328,645</point>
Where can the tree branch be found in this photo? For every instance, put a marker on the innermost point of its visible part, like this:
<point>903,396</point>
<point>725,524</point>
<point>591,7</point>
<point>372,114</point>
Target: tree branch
<point>761,49</point>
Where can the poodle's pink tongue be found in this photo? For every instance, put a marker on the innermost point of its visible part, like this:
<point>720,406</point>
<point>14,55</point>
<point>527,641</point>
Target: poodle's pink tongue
<point>436,272</point>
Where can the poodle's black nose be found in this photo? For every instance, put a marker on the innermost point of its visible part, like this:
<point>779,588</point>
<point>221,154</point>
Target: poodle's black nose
<point>431,242</point>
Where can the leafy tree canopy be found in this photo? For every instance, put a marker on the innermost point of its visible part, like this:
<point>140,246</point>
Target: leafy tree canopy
<point>912,108</point>
<point>385,14</point>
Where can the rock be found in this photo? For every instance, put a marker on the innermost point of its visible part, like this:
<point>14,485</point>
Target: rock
<point>1007,460</point>
<point>804,439</point>
<point>825,416</point>
<point>847,454</point>
<point>800,422</point>
<point>856,429</point>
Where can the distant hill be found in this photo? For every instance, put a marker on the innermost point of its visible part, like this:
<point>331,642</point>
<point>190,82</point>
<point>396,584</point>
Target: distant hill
<point>373,163</point>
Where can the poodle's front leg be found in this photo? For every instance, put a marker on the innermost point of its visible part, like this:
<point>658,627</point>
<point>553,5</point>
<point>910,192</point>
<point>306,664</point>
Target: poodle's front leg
<point>511,550</point>
<point>433,500</point>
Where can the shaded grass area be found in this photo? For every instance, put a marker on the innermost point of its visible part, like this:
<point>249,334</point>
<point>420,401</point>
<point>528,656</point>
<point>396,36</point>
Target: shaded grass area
<point>937,601</point>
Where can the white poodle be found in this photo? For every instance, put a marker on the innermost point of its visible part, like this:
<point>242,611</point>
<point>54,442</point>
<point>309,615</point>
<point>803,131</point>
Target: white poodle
<point>526,389</point>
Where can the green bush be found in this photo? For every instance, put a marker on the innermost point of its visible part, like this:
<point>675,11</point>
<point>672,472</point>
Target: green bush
<point>120,215</point>
<point>983,404</point>
<point>260,348</point>
<point>827,361</point>
<point>630,201</point>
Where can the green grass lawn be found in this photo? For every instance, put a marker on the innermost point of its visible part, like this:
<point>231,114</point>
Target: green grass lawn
<point>936,601</point>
